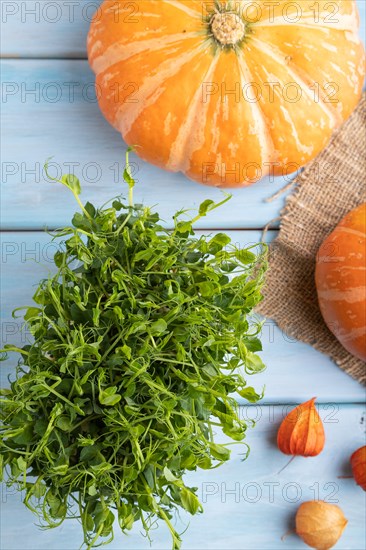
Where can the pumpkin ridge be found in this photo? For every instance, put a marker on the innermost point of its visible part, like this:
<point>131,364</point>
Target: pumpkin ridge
<point>350,295</point>
<point>293,72</point>
<point>149,89</point>
<point>304,76</point>
<point>214,163</point>
<point>123,52</point>
<point>183,7</point>
<point>179,150</point>
<point>352,267</point>
<point>306,25</point>
<point>264,136</point>
<point>351,231</point>
<point>348,21</point>
<point>294,133</point>
<point>354,334</point>
<point>320,54</point>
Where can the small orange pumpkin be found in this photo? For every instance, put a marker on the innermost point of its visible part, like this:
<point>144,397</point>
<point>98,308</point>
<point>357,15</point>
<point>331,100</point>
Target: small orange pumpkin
<point>340,277</point>
<point>227,91</point>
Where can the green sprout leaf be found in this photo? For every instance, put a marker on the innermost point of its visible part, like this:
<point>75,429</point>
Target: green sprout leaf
<point>128,177</point>
<point>72,182</point>
<point>205,207</point>
<point>158,327</point>
<point>108,397</point>
<point>190,501</point>
<point>245,256</point>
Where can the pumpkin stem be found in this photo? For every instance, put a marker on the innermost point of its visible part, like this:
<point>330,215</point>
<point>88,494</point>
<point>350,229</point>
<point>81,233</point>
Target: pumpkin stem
<point>227,28</point>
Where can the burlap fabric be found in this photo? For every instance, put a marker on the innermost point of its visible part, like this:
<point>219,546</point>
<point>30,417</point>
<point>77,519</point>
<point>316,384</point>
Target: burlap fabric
<point>330,186</point>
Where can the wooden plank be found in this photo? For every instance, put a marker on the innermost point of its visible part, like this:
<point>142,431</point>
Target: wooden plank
<point>47,29</point>
<point>56,29</point>
<point>49,110</point>
<point>246,504</point>
<point>295,371</point>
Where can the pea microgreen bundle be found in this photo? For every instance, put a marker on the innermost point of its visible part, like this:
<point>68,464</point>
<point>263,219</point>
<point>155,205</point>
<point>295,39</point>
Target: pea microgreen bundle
<point>140,340</point>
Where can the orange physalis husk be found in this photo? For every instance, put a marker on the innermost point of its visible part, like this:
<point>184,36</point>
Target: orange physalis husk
<point>302,432</point>
<point>358,463</point>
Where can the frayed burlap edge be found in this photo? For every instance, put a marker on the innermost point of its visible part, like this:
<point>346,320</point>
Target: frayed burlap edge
<point>327,189</point>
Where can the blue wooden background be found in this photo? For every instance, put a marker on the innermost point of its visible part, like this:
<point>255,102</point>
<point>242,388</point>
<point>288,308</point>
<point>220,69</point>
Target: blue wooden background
<point>49,109</point>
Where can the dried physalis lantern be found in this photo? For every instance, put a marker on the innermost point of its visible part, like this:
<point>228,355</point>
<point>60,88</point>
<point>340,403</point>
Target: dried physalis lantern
<point>358,463</point>
<point>302,432</point>
<point>319,524</point>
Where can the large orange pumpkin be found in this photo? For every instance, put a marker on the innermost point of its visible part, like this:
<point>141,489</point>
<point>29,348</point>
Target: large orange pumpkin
<point>227,91</point>
<point>341,281</point>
